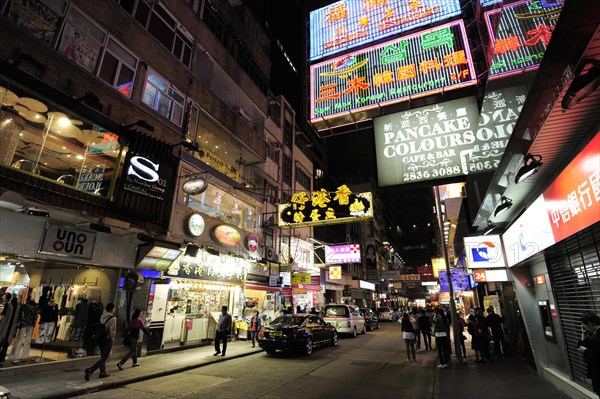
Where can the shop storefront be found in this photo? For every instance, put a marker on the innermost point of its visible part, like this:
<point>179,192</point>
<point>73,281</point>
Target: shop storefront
<point>184,301</point>
<point>70,271</point>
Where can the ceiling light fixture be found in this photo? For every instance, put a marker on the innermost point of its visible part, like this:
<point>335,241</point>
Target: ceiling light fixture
<point>505,204</point>
<point>531,165</point>
<point>490,227</point>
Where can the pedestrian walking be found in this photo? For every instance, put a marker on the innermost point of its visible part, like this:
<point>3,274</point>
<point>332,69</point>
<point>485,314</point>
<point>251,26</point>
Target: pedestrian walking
<point>425,327</point>
<point>132,336</point>
<point>461,331</point>
<point>590,347</point>
<point>494,322</point>
<point>223,327</point>
<point>105,337</point>
<point>255,323</point>
<point>414,321</point>
<point>408,334</point>
<point>441,330</point>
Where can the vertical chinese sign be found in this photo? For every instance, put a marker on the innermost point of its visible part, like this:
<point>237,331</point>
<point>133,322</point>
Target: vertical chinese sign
<point>415,65</point>
<point>519,34</point>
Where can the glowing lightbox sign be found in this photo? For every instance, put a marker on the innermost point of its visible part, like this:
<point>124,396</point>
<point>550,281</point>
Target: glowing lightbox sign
<point>351,23</point>
<point>324,207</point>
<point>520,33</point>
<point>484,252</point>
<point>336,254</point>
<point>411,66</point>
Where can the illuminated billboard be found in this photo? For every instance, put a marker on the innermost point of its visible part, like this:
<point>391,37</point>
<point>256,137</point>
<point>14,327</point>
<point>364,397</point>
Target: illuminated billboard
<point>410,66</point>
<point>520,33</point>
<point>351,23</point>
<point>484,252</point>
<point>459,278</point>
<point>325,207</point>
<point>336,254</point>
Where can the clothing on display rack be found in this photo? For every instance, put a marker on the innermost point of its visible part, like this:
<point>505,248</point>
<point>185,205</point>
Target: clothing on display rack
<point>25,325</point>
<point>8,324</point>
<point>48,320</point>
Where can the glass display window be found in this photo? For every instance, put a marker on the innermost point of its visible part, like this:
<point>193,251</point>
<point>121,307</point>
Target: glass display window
<point>51,142</point>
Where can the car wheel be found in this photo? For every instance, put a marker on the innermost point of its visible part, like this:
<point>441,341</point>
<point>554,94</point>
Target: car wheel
<point>270,351</point>
<point>369,327</point>
<point>334,339</point>
<point>354,332</point>
<point>308,347</point>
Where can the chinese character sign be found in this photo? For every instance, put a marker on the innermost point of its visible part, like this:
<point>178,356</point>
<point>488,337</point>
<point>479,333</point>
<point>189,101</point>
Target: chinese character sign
<point>342,254</point>
<point>520,33</point>
<point>351,23</point>
<point>573,199</point>
<point>325,207</point>
<point>413,65</point>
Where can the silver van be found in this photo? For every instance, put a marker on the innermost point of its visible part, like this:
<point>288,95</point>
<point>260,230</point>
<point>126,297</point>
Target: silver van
<point>345,318</point>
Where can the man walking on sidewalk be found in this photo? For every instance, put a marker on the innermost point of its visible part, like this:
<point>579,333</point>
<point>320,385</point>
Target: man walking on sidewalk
<point>223,327</point>
<point>494,322</point>
<point>105,336</point>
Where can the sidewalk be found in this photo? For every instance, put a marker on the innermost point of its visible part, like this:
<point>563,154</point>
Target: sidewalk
<point>69,382</point>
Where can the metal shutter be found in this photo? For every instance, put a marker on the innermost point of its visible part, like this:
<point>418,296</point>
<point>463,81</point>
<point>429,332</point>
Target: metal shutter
<point>574,269</point>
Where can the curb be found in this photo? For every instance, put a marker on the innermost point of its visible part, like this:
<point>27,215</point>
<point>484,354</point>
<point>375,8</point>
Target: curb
<point>126,381</point>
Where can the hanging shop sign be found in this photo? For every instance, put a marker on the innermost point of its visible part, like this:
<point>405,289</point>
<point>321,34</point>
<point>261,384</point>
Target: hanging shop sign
<point>484,252</point>
<point>63,240</point>
<point>335,272</point>
<point>324,207</point>
<point>227,235</point>
<point>252,243</point>
<point>301,278</point>
<point>519,34</point>
<point>415,65</point>
<point>342,254</point>
<point>489,275</point>
<point>448,139</point>
<point>145,177</point>
<point>351,23</point>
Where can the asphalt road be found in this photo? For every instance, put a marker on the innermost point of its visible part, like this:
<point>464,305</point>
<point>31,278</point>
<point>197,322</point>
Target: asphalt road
<point>371,365</point>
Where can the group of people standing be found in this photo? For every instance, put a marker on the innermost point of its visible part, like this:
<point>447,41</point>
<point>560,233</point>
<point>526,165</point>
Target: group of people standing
<point>436,322</point>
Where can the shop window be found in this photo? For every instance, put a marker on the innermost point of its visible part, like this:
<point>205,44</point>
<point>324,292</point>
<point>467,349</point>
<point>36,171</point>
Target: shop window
<point>217,203</point>
<point>162,97</point>
<point>55,144</point>
<point>118,67</point>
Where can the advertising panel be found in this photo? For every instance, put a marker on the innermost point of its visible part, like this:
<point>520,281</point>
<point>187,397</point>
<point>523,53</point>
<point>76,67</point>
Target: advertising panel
<point>324,207</point>
<point>410,66</point>
<point>65,240</point>
<point>494,275</point>
<point>484,252</point>
<point>573,199</point>
<point>529,234</point>
<point>460,281</point>
<point>519,34</point>
<point>342,254</point>
<point>448,139</point>
<point>141,175</point>
<point>351,23</point>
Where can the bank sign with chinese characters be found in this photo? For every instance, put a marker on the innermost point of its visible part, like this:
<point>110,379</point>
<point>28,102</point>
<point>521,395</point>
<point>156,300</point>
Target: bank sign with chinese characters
<point>325,207</point>
<point>410,66</point>
<point>446,140</point>
<point>570,204</point>
<point>351,23</point>
<point>520,33</point>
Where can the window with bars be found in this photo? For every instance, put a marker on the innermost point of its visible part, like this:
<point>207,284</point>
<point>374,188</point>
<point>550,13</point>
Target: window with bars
<point>574,270</point>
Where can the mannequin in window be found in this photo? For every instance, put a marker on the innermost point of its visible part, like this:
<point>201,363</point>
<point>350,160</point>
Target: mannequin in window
<point>80,319</point>
<point>8,325</point>
<point>22,342</point>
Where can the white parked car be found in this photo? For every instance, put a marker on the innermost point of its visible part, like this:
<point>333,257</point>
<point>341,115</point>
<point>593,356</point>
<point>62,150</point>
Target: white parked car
<point>345,318</point>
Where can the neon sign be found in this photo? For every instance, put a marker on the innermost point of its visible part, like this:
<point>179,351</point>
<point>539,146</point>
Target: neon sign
<point>348,24</point>
<point>324,207</point>
<point>409,66</point>
<point>523,32</point>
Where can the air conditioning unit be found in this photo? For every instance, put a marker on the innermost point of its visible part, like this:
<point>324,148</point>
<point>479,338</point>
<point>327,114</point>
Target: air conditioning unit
<point>270,254</point>
<point>243,114</point>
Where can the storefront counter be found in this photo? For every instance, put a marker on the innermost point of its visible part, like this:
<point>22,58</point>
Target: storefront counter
<point>196,329</point>
<point>173,328</point>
